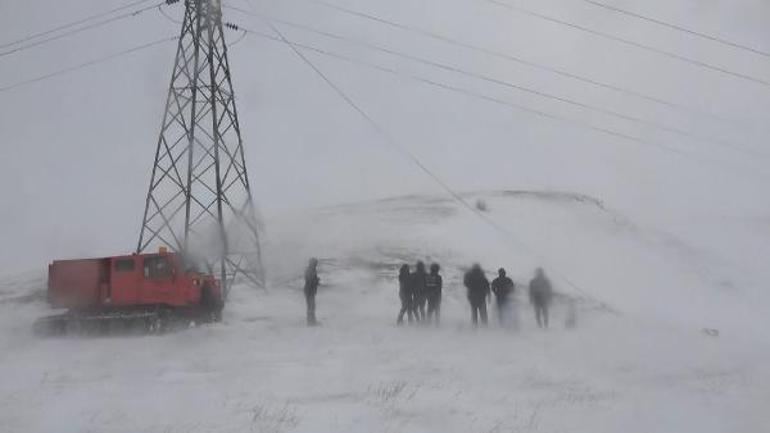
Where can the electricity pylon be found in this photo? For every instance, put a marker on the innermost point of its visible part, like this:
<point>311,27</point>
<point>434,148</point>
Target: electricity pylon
<point>199,202</point>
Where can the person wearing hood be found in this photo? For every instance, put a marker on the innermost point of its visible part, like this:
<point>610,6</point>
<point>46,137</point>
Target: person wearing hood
<point>406,294</point>
<point>478,293</point>
<point>503,288</point>
<point>433,286</point>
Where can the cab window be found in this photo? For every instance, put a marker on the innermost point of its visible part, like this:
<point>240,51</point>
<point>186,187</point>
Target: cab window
<point>124,265</point>
<point>157,267</point>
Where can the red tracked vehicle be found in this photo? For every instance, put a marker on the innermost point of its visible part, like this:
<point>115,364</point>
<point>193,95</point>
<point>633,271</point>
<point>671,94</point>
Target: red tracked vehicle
<point>149,292</point>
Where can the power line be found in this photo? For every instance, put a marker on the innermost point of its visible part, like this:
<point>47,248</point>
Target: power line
<point>167,17</point>
<point>74,23</point>
<point>389,140</point>
<point>77,30</point>
<point>678,27</point>
<point>605,131</point>
<point>465,92</point>
<point>240,38</point>
<point>670,54</point>
<point>522,61</point>
<point>88,64</point>
<point>501,82</point>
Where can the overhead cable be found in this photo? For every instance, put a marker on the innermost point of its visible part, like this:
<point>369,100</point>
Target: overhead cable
<point>500,82</point>
<point>73,23</point>
<point>695,62</point>
<point>712,163</point>
<point>520,60</point>
<point>167,17</point>
<point>77,30</point>
<point>390,141</point>
<point>88,63</point>
<point>662,23</point>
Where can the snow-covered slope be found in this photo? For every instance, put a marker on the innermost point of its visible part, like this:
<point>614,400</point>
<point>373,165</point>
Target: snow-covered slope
<point>638,360</point>
<point>591,252</point>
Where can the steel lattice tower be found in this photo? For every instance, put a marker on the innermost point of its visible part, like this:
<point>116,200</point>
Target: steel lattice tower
<point>199,202</point>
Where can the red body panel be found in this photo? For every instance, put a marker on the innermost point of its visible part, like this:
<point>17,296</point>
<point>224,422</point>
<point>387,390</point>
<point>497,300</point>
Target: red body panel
<point>76,284</point>
<point>127,281</point>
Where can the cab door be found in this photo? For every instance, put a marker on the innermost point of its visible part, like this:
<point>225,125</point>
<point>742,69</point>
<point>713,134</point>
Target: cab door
<point>158,284</point>
<point>125,281</point>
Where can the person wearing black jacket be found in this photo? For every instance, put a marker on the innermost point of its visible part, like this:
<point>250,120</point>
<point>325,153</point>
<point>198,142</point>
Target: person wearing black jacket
<point>311,288</point>
<point>211,305</point>
<point>478,293</point>
<point>540,294</point>
<point>418,290</point>
<point>503,288</point>
<point>406,294</point>
<point>433,285</point>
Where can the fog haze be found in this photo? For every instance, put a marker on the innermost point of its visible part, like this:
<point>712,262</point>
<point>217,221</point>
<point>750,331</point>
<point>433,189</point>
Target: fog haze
<point>78,148</point>
<point>636,176</point>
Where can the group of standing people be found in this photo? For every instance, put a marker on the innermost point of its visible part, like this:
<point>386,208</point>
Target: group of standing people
<point>420,288</point>
<point>420,293</point>
<point>417,290</point>
<point>480,292</point>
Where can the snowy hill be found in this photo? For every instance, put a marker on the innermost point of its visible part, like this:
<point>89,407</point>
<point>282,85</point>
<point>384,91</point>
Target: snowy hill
<point>638,360</point>
<point>593,253</point>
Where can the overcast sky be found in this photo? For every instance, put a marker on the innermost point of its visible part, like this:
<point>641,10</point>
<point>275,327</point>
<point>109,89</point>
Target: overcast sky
<point>77,149</point>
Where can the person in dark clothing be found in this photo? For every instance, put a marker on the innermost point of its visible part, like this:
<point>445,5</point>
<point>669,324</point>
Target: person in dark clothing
<point>478,293</point>
<point>433,285</point>
<point>418,290</point>
<point>211,305</point>
<point>540,294</point>
<point>406,294</point>
<point>311,288</point>
<point>503,288</point>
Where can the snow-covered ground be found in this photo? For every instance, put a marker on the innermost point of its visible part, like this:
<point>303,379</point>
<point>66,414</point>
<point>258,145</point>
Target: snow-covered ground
<point>638,360</point>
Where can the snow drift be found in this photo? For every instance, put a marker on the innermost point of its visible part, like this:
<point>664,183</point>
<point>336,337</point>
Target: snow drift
<point>638,360</point>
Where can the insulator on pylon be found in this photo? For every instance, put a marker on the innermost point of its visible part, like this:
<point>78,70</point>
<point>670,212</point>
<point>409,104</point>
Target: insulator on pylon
<point>232,26</point>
